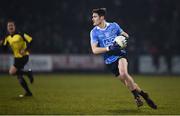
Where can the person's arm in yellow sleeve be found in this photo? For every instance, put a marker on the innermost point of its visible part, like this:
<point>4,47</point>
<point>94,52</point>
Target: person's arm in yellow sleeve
<point>28,40</point>
<point>3,44</point>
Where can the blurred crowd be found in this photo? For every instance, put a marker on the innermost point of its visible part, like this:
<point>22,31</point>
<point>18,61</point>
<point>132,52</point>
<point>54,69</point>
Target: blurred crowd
<point>63,26</point>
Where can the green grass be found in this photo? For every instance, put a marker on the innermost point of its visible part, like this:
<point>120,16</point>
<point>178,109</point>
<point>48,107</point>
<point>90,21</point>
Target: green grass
<point>88,94</point>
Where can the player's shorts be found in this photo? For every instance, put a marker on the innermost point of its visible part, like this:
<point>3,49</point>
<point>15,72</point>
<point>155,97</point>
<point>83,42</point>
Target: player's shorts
<point>19,63</point>
<point>113,67</point>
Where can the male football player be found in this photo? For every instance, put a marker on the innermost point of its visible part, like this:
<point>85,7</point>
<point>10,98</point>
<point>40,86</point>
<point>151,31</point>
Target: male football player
<point>102,42</point>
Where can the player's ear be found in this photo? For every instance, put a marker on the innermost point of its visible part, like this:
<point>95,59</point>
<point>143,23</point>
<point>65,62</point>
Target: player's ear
<point>102,17</point>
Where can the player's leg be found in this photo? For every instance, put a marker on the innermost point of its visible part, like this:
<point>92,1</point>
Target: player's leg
<point>12,70</point>
<point>19,65</point>
<point>128,80</point>
<point>148,100</point>
<point>28,72</point>
<point>145,95</point>
<point>125,78</point>
<point>140,91</point>
<point>24,85</point>
<point>136,85</point>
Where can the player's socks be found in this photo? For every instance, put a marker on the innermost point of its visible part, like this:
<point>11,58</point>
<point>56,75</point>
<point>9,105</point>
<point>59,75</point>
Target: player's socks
<point>28,73</point>
<point>137,98</point>
<point>23,83</point>
<point>148,99</point>
<point>143,94</point>
<point>135,93</point>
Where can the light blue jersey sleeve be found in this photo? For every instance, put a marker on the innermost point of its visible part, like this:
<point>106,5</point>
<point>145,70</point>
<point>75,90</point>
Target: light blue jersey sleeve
<point>93,35</point>
<point>119,29</point>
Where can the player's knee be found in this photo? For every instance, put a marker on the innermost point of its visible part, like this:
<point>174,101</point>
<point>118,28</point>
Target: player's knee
<point>121,78</point>
<point>123,75</point>
<point>12,72</point>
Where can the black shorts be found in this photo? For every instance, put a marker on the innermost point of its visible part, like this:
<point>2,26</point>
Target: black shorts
<point>113,67</point>
<point>19,63</point>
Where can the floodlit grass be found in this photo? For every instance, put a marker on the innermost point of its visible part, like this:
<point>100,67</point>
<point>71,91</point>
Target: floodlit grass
<point>88,94</point>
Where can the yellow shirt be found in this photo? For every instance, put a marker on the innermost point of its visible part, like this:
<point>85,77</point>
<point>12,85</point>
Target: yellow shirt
<point>17,43</point>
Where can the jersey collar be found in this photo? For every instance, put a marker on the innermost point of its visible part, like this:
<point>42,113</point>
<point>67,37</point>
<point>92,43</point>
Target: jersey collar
<point>16,32</point>
<point>107,24</point>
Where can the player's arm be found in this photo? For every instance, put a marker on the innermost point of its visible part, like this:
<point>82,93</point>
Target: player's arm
<point>94,44</point>
<point>3,44</point>
<point>28,40</point>
<point>120,31</point>
<point>123,33</point>
<point>98,50</point>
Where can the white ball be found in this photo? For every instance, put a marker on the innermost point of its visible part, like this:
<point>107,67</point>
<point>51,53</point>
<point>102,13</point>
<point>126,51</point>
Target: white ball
<point>121,41</point>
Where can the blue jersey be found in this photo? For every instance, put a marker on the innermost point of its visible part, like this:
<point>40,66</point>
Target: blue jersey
<point>105,37</point>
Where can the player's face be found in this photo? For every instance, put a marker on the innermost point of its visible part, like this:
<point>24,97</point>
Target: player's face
<point>11,27</point>
<point>97,20</point>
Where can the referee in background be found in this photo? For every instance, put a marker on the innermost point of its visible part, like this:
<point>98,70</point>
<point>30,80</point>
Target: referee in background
<point>20,44</point>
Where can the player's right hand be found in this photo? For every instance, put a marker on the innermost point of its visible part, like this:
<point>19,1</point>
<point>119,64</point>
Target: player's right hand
<point>113,47</point>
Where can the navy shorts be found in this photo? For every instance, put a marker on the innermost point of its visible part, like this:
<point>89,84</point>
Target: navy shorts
<point>113,67</point>
<point>19,63</point>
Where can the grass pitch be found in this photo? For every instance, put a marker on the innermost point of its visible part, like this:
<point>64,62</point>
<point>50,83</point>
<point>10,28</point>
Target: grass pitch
<point>88,94</point>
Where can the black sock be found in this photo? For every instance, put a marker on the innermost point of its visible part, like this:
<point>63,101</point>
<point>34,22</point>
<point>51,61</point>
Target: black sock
<point>21,72</point>
<point>141,92</point>
<point>23,83</point>
<point>135,93</point>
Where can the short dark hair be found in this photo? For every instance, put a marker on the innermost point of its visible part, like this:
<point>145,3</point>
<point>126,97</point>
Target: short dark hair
<point>100,11</point>
<point>11,21</point>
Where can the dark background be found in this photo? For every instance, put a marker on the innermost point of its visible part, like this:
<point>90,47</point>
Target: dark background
<point>63,26</point>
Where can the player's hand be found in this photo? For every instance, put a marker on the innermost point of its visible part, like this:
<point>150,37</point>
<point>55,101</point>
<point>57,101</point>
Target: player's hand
<point>22,51</point>
<point>113,47</point>
<point>125,42</point>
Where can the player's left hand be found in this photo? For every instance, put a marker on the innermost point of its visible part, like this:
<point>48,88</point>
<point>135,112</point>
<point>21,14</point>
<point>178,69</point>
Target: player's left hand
<point>113,47</point>
<point>125,41</point>
<point>22,51</point>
